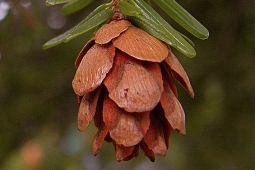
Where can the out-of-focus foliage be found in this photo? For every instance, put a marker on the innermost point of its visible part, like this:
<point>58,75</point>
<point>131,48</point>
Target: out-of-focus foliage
<point>38,108</point>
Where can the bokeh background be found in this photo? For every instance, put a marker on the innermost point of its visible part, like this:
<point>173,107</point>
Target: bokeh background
<point>38,108</point>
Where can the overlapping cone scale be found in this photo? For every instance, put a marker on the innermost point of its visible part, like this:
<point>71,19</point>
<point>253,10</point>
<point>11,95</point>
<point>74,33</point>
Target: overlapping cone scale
<point>125,82</point>
<point>138,87</point>
<point>92,69</point>
<point>109,31</point>
<point>141,45</point>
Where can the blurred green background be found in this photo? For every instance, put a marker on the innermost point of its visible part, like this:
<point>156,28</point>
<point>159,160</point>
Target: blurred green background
<point>38,108</point>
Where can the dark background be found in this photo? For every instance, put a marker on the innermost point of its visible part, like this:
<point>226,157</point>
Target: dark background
<point>38,108</point>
